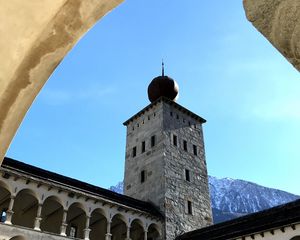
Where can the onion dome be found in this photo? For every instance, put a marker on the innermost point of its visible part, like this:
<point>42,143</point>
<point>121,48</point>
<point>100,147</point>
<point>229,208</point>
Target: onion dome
<point>163,86</point>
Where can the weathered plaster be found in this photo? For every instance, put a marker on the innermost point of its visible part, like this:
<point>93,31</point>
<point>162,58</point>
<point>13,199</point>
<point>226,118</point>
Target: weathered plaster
<point>35,37</point>
<point>279,22</point>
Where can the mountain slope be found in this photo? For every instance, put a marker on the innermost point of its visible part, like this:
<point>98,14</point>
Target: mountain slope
<point>231,198</point>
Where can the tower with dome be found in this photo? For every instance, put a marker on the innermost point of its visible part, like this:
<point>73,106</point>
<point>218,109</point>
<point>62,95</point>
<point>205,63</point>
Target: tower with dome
<point>165,160</point>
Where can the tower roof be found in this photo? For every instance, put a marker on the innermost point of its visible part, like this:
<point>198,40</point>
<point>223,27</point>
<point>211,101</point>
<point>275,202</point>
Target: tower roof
<point>166,100</point>
<point>163,86</point>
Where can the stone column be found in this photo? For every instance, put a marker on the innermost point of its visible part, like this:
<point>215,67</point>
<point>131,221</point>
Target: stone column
<point>38,219</point>
<point>63,228</point>
<point>87,228</point>
<point>108,234</point>
<point>10,212</point>
<point>145,235</point>
<point>128,233</point>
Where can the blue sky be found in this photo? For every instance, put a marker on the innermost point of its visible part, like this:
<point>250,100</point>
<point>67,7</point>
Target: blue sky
<point>227,72</point>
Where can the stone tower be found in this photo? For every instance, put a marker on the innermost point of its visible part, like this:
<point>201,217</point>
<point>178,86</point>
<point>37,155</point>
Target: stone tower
<point>165,160</point>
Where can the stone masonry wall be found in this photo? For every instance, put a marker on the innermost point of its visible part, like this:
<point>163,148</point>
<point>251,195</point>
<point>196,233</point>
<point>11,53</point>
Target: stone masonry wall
<point>151,161</point>
<point>178,190</point>
<point>164,164</point>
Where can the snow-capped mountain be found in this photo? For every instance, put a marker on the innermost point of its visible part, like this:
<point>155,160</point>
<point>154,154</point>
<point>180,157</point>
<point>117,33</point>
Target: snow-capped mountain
<point>239,196</point>
<point>118,188</point>
<point>232,198</point>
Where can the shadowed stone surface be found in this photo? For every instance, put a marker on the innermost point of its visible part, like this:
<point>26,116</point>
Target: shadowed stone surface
<point>279,22</point>
<point>35,37</point>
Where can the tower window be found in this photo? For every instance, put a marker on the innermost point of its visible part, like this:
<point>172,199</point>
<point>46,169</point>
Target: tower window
<point>187,175</point>
<point>185,145</point>
<point>171,114</point>
<point>133,151</point>
<point>174,140</point>
<point>143,146</point>
<point>153,141</point>
<point>177,116</point>
<point>195,150</point>
<point>189,207</point>
<point>143,176</point>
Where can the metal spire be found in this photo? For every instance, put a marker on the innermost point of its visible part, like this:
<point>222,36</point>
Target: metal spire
<point>162,68</point>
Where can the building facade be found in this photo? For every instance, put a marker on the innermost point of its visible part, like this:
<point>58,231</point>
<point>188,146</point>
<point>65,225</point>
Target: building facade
<point>37,204</point>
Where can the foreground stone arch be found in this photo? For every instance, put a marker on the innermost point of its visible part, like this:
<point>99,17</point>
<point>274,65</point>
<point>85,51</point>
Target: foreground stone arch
<point>279,22</point>
<point>35,37</point>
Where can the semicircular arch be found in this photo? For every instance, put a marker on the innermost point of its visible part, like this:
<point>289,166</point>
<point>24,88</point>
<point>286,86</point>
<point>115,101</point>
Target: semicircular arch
<point>120,217</point>
<point>295,238</point>
<point>18,238</point>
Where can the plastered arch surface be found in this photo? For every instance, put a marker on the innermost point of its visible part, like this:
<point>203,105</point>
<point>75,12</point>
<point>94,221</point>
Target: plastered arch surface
<point>278,21</point>
<point>35,37</point>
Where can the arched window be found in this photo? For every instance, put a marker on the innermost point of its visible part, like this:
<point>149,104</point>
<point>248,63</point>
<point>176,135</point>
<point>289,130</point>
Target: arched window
<point>136,230</point>
<point>118,227</point>
<point>153,232</point>
<point>98,225</point>
<point>25,209</point>
<point>52,214</point>
<point>76,220</point>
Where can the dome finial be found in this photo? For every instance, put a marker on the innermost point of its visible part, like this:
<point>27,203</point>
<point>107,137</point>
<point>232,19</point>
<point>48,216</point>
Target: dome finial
<point>163,86</point>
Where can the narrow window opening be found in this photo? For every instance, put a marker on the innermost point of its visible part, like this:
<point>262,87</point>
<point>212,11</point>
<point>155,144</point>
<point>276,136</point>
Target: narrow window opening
<point>177,116</point>
<point>73,231</point>
<point>133,151</point>
<point>174,140</point>
<point>187,175</point>
<point>143,146</point>
<point>152,141</point>
<point>171,114</point>
<point>185,145</point>
<point>148,117</point>
<point>190,207</point>
<point>195,150</point>
<point>138,125</point>
<point>132,128</point>
<point>143,176</point>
